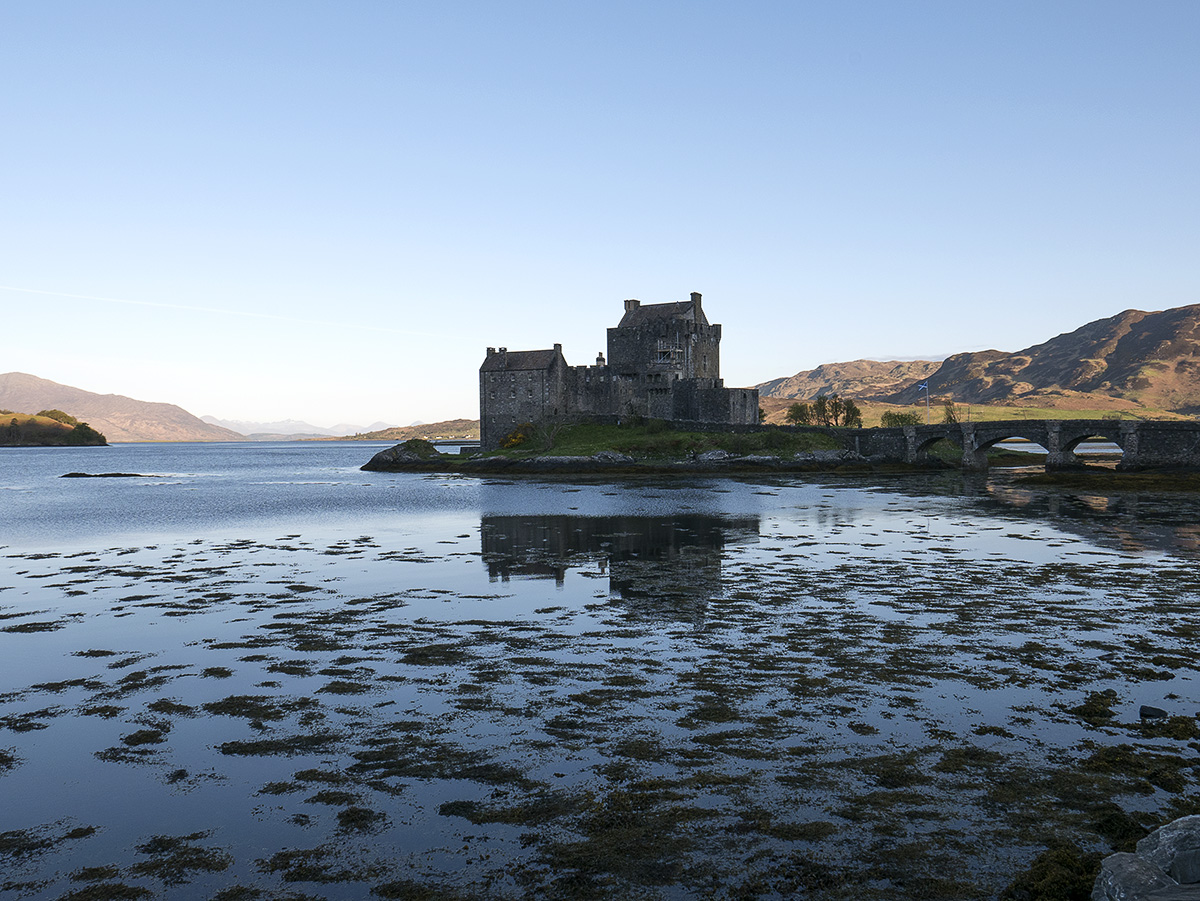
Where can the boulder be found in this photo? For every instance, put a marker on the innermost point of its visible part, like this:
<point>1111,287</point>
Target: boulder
<point>1166,867</point>
<point>393,458</point>
<point>1129,877</point>
<point>613,458</point>
<point>1175,893</point>
<point>1175,848</point>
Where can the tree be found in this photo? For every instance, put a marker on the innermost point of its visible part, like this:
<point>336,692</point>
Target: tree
<point>891,419</point>
<point>949,413</point>
<point>830,410</point>
<point>837,409</point>
<point>851,415</point>
<point>84,434</point>
<point>799,414</point>
<point>64,418</point>
<point>820,411</point>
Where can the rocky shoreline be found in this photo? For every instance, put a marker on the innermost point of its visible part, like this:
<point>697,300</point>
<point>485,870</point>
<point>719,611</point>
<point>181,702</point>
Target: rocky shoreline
<point>402,459</point>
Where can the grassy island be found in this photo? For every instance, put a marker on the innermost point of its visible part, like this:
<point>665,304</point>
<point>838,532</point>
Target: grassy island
<point>646,446</point>
<point>49,428</point>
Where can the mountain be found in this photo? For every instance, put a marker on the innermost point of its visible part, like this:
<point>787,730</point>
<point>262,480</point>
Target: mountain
<point>291,428</point>
<point>1147,359</point>
<point>857,379</point>
<point>119,418</point>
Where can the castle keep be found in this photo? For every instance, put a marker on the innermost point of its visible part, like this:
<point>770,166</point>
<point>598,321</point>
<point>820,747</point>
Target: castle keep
<point>663,363</point>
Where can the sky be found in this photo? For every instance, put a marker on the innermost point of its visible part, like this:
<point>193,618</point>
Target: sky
<point>326,211</point>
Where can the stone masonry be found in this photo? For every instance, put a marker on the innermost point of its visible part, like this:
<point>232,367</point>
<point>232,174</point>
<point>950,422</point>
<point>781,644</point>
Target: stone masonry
<point>663,363</point>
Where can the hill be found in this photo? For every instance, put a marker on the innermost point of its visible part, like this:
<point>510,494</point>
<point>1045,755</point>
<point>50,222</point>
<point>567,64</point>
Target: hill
<point>119,418</point>
<point>1138,359</point>
<point>1136,362</point>
<point>450,428</point>
<point>857,379</point>
<point>56,430</point>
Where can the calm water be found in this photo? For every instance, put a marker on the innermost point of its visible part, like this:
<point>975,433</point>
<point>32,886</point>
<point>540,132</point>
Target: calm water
<point>255,671</point>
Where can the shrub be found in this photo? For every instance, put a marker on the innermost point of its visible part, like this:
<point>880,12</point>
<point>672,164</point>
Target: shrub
<point>65,418</point>
<point>799,414</point>
<point>517,436</point>
<point>893,420</point>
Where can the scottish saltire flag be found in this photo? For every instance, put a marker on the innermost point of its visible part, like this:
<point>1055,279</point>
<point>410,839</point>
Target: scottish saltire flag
<point>924,386</point>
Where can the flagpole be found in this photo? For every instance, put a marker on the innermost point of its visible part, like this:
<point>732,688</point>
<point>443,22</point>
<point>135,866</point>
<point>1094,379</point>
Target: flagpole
<point>924,386</point>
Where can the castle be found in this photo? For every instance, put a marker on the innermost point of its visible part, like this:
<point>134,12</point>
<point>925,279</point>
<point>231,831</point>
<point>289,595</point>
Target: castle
<point>663,363</point>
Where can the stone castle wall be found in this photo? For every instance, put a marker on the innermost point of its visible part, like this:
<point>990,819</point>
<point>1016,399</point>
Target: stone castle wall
<point>663,363</point>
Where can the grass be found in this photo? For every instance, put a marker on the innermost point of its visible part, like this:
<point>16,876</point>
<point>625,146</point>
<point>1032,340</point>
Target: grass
<point>656,440</point>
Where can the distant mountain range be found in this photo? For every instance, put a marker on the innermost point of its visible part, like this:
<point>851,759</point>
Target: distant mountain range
<point>1131,360</point>
<point>292,428</point>
<point>119,418</point>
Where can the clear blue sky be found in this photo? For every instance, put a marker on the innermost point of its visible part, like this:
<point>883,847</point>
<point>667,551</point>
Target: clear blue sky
<point>327,211</point>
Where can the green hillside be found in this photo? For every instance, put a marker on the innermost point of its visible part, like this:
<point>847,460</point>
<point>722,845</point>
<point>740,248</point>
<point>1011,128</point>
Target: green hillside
<point>49,428</point>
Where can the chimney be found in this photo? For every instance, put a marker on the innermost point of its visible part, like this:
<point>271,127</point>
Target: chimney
<point>491,352</point>
<point>696,300</point>
<point>632,305</point>
<point>558,348</point>
<point>600,358</point>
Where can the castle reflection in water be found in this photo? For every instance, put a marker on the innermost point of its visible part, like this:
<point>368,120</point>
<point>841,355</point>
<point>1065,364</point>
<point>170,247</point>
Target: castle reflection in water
<point>671,564</point>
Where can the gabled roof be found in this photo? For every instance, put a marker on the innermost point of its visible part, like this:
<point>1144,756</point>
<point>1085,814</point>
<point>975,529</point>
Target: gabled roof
<point>519,360</point>
<point>657,312</point>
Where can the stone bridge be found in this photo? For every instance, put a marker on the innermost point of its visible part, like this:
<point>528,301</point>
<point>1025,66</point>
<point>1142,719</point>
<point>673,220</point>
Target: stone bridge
<point>1145,444</point>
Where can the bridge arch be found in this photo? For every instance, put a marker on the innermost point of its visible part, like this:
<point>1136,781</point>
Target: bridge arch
<point>925,443</point>
<point>1113,436</point>
<point>1037,447</point>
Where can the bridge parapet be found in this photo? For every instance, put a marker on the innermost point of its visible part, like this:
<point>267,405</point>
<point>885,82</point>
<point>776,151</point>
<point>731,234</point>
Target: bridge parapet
<point>1144,443</point>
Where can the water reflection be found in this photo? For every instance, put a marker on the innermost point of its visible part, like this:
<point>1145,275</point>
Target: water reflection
<point>665,565</point>
<point>1127,521</point>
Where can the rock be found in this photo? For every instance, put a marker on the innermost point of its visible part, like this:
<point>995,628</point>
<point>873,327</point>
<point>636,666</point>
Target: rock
<point>713,456</point>
<point>398,457</point>
<point>1174,893</point>
<point>612,458</point>
<point>1185,868</point>
<point>1177,841</point>
<point>106,475</point>
<point>1147,712</point>
<point>760,460</point>
<point>1129,877</point>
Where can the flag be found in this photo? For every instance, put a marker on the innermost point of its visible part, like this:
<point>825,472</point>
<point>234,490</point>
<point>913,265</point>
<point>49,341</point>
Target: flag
<point>924,386</point>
